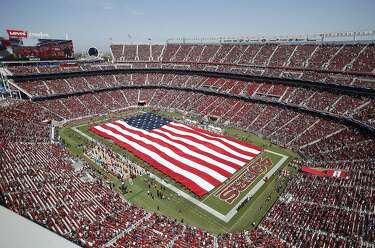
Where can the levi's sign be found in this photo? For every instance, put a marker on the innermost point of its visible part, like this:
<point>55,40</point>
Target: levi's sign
<point>17,33</point>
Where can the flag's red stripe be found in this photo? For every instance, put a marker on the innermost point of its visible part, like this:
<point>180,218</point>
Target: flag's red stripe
<point>205,176</point>
<point>227,137</point>
<point>179,178</point>
<point>193,148</point>
<point>207,144</point>
<point>250,154</point>
<point>176,150</point>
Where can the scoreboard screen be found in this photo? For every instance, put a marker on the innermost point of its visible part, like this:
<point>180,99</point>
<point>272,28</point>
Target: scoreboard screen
<point>46,49</point>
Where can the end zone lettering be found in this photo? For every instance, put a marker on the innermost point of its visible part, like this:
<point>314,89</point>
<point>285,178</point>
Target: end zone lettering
<point>234,189</point>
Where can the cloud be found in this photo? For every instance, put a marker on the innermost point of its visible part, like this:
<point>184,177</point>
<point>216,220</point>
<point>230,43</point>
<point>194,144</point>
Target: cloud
<point>108,7</point>
<point>137,13</point>
<point>132,11</point>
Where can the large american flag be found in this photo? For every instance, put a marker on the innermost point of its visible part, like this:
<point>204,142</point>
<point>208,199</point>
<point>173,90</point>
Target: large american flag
<point>194,157</point>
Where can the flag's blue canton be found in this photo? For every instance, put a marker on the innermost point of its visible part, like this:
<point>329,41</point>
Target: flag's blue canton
<point>147,121</point>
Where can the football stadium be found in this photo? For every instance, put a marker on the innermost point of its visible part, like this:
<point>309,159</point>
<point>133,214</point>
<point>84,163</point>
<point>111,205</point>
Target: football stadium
<point>194,141</point>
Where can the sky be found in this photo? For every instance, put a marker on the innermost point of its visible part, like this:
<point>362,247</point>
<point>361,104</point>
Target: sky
<point>98,22</point>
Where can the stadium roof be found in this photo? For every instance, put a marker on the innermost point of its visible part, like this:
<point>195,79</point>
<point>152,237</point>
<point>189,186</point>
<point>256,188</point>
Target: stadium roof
<point>17,231</point>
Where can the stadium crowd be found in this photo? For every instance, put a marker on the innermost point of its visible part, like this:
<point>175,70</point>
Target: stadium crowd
<point>326,210</point>
<point>316,138</point>
<point>40,181</point>
<point>335,63</point>
<point>349,64</point>
<point>102,217</point>
<point>324,100</point>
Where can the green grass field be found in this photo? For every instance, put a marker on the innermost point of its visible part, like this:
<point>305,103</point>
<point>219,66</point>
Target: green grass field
<point>176,206</point>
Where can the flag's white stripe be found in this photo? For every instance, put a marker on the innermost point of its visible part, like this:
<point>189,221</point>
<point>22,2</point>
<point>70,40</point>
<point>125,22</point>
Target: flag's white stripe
<point>183,148</point>
<point>213,142</point>
<point>202,147</point>
<point>169,152</point>
<point>198,180</point>
<point>236,144</point>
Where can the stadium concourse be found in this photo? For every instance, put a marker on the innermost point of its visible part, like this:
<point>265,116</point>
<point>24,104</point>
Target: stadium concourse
<point>314,98</point>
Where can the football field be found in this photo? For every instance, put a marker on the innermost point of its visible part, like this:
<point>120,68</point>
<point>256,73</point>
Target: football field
<point>238,203</point>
